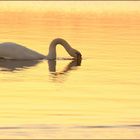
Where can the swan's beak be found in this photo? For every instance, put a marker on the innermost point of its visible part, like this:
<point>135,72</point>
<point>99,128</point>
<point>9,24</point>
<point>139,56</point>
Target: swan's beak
<point>78,55</point>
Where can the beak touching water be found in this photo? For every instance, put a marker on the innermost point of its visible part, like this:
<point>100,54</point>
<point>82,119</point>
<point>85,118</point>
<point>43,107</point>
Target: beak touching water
<point>78,55</point>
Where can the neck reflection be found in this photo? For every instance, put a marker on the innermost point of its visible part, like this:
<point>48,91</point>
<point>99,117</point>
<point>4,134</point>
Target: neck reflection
<point>55,75</point>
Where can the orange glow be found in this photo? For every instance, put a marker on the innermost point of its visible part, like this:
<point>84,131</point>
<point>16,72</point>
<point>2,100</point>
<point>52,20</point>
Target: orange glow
<point>104,90</point>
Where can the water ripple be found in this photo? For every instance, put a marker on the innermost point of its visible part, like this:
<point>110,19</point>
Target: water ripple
<point>111,126</point>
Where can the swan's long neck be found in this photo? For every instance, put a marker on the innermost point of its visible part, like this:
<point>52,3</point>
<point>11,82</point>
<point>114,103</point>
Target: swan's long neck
<point>52,47</point>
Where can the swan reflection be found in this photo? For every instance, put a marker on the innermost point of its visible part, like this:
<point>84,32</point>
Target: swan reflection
<point>19,65</point>
<point>16,65</point>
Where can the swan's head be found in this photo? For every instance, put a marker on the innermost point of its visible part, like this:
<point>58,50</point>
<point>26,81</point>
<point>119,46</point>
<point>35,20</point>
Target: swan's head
<point>76,54</point>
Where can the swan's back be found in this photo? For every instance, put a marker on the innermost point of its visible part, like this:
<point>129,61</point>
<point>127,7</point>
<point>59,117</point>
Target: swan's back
<point>11,50</point>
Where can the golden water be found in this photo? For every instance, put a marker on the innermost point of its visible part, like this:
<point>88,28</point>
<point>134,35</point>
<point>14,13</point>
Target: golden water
<point>66,99</point>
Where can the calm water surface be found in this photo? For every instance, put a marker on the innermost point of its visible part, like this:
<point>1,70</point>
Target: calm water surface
<point>95,98</point>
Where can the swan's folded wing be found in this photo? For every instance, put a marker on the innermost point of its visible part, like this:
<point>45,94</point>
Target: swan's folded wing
<point>11,50</point>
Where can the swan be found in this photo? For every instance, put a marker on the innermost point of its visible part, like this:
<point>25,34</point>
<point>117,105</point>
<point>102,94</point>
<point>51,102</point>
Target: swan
<point>10,50</point>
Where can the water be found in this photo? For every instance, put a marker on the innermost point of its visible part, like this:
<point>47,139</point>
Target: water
<point>66,98</point>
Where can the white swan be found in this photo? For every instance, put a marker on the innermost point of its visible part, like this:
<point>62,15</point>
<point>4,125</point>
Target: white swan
<point>9,50</point>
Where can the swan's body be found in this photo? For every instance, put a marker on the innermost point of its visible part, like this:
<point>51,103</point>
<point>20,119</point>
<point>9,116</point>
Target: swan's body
<point>9,50</point>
